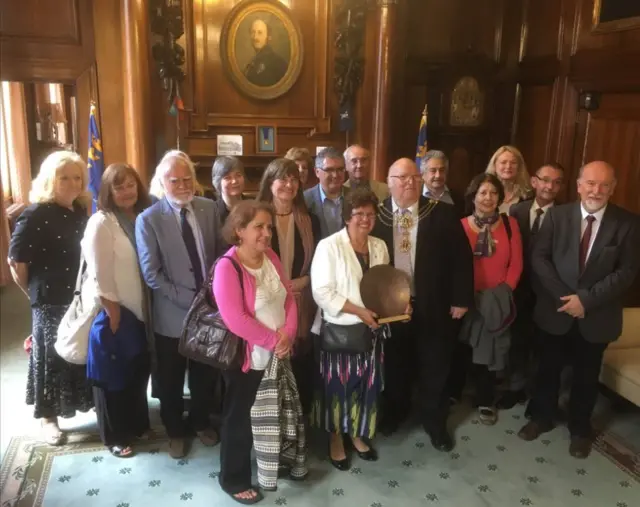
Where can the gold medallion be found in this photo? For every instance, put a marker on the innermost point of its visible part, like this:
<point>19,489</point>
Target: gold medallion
<point>405,244</point>
<point>405,221</point>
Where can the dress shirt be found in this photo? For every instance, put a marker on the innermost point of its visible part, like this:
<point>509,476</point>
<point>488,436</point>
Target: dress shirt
<point>332,212</point>
<point>413,234</point>
<point>532,212</point>
<point>444,197</point>
<point>594,228</point>
<point>197,233</point>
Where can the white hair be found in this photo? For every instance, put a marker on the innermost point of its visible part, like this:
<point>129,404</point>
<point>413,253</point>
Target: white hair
<point>167,162</point>
<point>44,184</point>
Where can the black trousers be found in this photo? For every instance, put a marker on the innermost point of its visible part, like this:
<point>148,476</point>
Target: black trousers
<point>305,368</point>
<point>522,351</point>
<point>586,361</point>
<point>236,438</point>
<point>124,415</point>
<point>169,376</point>
<point>418,354</point>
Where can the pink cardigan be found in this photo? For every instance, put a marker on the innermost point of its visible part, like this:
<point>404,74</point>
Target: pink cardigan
<point>239,315</point>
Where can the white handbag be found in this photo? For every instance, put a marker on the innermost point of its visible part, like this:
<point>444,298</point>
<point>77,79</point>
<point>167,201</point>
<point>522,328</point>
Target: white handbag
<point>72,343</point>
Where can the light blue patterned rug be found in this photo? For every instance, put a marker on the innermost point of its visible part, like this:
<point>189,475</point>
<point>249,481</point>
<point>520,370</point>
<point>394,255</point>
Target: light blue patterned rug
<point>490,466</point>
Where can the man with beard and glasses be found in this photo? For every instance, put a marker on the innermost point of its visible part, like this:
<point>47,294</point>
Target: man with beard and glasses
<point>178,239</point>
<point>326,199</point>
<point>530,214</point>
<point>584,259</point>
<point>434,168</point>
<point>426,240</point>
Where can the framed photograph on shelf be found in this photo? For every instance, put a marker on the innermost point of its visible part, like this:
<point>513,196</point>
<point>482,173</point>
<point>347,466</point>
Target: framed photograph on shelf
<point>266,140</point>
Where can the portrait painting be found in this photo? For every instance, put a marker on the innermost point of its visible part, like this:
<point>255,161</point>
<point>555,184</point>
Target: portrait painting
<point>615,15</point>
<point>261,48</point>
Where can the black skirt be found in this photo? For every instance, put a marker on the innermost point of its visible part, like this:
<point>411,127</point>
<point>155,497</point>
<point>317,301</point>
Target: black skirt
<point>54,387</point>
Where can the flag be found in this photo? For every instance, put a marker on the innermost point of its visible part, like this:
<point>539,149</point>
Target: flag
<point>346,117</point>
<point>421,149</point>
<point>95,161</point>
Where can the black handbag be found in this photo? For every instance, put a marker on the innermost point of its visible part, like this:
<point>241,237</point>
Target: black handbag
<point>353,339</point>
<point>205,337</point>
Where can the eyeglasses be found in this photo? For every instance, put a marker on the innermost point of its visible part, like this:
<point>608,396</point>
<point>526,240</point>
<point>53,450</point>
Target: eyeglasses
<point>406,178</point>
<point>556,183</point>
<point>361,214</point>
<point>333,171</point>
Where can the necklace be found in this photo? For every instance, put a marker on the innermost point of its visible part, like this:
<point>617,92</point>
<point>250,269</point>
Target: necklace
<point>404,221</point>
<point>284,214</point>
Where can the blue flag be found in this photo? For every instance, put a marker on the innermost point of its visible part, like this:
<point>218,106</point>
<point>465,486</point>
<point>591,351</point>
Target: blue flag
<point>95,160</point>
<point>421,149</point>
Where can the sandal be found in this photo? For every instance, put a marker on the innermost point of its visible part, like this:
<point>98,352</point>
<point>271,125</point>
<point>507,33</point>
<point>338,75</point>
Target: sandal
<point>488,415</point>
<point>52,433</point>
<point>247,501</point>
<point>120,451</point>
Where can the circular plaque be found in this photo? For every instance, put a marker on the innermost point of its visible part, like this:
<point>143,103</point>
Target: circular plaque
<point>385,290</point>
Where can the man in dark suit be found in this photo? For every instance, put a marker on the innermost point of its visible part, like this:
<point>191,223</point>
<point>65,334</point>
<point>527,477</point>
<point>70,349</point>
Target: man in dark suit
<point>585,257</point>
<point>326,199</point>
<point>267,67</point>
<point>530,214</point>
<point>434,168</point>
<point>426,240</point>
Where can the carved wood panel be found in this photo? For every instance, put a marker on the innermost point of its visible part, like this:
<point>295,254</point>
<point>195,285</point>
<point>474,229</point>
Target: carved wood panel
<point>45,40</point>
<point>214,106</point>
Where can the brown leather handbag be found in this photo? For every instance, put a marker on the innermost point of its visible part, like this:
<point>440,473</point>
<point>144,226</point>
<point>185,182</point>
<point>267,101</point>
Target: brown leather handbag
<point>205,337</point>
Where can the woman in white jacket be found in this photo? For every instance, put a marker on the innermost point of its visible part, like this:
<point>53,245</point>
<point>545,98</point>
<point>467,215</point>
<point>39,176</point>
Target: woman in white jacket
<point>352,376</point>
<point>118,362</point>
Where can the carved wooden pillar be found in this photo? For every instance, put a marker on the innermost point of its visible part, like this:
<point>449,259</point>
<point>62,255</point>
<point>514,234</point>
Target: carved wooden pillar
<point>382,118</point>
<point>137,104</point>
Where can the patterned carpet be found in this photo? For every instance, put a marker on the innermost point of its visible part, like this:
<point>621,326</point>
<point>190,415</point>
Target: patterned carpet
<point>489,467</point>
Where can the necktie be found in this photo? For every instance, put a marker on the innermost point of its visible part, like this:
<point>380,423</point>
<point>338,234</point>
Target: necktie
<point>536,222</point>
<point>192,249</point>
<point>586,239</point>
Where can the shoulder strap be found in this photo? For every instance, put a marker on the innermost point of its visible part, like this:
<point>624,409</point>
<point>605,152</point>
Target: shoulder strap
<point>83,265</point>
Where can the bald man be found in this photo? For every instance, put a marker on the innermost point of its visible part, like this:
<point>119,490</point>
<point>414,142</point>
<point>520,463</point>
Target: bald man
<point>425,239</point>
<point>584,259</point>
<point>358,164</point>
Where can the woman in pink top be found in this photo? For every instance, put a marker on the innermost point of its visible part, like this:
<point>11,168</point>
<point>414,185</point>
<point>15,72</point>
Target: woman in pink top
<point>266,317</point>
<point>497,265</point>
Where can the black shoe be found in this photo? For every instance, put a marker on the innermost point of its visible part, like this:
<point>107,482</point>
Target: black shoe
<point>510,399</point>
<point>369,455</point>
<point>342,465</point>
<point>440,439</point>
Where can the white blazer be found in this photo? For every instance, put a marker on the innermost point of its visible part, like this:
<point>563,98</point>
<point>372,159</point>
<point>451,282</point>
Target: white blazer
<point>336,275</point>
<point>112,262</point>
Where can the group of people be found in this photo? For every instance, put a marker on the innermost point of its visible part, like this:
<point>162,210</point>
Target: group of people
<point>504,282</point>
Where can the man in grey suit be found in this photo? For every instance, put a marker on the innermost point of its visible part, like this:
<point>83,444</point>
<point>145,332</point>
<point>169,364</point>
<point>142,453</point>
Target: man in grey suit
<point>530,214</point>
<point>178,240</point>
<point>584,259</point>
<point>326,199</point>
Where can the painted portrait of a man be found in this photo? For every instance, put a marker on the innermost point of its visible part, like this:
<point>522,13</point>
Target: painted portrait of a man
<point>266,67</point>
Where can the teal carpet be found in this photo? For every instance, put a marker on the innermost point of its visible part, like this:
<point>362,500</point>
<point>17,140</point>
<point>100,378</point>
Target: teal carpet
<point>490,466</point>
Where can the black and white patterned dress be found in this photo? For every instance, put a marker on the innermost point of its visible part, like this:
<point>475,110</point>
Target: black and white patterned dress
<point>47,238</point>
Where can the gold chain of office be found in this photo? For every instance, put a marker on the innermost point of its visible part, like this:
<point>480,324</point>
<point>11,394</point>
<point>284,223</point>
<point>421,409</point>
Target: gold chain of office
<point>405,222</point>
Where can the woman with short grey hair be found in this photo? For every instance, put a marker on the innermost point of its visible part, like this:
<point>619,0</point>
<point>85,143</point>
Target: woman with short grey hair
<point>228,178</point>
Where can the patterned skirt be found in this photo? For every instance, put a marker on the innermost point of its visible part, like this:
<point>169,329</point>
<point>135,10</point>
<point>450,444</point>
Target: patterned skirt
<point>346,401</point>
<point>54,387</point>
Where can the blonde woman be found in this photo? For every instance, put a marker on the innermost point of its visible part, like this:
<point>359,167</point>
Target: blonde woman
<point>507,163</point>
<point>44,257</point>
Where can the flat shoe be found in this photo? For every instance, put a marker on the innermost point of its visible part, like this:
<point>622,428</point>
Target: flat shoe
<point>247,501</point>
<point>120,451</point>
<point>208,437</point>
<point>52,434</point>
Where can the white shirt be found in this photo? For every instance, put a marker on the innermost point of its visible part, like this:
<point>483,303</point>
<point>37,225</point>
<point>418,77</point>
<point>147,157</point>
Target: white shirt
<point>534,208</point>
<point>270,297</point>
<point>594,228</point>
<point>197,233</point>
<point>112,263</point>
<point>413,233</point>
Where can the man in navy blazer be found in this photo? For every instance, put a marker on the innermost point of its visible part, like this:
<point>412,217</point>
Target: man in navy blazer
<point>178,239</point>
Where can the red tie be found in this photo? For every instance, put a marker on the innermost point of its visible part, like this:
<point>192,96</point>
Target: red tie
<point>586,239</point>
